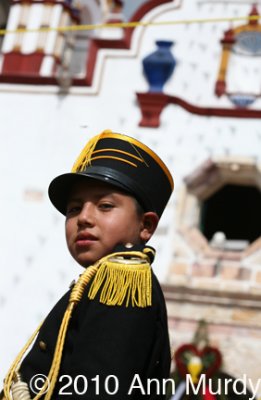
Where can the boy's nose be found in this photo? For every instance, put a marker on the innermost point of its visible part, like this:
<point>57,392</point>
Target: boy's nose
<point>86,216</point>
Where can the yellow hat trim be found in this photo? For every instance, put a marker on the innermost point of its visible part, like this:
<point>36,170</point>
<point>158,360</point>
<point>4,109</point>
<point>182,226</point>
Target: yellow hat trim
<point>110,134</point>
<point>119,151</point>
<point>115,158</point>
<point>86,154</point>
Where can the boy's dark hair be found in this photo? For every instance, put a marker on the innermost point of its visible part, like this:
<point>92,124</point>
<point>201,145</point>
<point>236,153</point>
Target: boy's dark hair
<point>139,208</point>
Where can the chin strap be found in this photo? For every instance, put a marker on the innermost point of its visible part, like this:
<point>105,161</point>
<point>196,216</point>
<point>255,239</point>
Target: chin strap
<point>120,277</point>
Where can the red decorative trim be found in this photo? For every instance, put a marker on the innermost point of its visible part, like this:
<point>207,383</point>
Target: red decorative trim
<point>15,62</point>
<point>229,37</point>
<point>254,13</point>
<point>27,79</point>
<point>50,2</point>
<point>220,88</point>
<point>151,107</point>
<point>114,21</point>
<point>152,104</point>
<point>95,46</point>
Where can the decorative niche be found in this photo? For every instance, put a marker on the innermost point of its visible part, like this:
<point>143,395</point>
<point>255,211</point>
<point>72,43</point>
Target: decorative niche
<point>239,75</point>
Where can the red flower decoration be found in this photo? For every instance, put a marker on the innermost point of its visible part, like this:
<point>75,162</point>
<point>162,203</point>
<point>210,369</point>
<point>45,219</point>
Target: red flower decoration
<point>210,357</point>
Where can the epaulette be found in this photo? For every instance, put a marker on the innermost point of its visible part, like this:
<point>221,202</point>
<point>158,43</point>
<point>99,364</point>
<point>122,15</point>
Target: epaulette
<point>124,277</point>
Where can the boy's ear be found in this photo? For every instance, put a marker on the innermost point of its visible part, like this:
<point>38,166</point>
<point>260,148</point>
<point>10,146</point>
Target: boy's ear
<point>149,224</point>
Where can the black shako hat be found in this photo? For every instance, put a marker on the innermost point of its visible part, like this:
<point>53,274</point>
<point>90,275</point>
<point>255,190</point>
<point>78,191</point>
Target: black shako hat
<point>121,161</point>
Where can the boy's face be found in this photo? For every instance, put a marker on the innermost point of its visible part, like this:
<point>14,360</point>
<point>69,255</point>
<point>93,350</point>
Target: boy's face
<point>100,216</point>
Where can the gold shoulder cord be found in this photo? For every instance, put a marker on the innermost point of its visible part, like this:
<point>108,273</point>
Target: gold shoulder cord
<point>120,279</point>
<point>123,280</point>
<point>12,381</point>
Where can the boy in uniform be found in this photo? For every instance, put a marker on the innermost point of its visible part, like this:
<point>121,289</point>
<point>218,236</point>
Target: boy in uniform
<point>107,337</point>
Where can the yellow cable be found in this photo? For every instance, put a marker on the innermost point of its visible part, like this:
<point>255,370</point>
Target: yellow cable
<point>75,297</point>
<point>131,24</point>
<point>10,375</point>
<point>136,287</point>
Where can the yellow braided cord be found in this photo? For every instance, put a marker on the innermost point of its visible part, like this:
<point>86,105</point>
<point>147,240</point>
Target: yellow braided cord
<point>74,299</point>
<point>130,24</point>
<point>84,158</point>
<point>80,285</point>
<point>120,282</point>
<point>51,380</point>
<point>137,151</point>
<point>149,250</point>
<point>12,371</point>
<point>54,371</point>
<point>130,283</point>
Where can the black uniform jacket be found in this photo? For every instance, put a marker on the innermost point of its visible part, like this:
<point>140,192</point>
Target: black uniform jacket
<point>110,352</point>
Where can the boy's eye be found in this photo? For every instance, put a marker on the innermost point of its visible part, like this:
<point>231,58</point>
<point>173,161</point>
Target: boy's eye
<point>72,210</point>
<point>106,206</point>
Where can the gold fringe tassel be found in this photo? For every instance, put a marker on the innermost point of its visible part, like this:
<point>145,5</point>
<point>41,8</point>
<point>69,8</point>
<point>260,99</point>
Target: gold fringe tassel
<point>122,280</point>
<point>84,158</point>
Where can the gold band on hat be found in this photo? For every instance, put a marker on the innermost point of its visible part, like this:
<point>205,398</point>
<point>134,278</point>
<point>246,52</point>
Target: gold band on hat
<point>119,151</point>
<point>110,134</point>
<point>115,158</point>
<point>85,157</point>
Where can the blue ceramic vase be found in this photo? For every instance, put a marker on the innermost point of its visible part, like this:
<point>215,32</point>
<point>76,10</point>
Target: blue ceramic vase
<point>159,66</point>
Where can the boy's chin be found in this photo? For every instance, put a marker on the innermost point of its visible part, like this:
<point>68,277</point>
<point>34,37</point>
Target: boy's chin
<point>85,260</point>
<point>88,258</point>
<point>86,263</point>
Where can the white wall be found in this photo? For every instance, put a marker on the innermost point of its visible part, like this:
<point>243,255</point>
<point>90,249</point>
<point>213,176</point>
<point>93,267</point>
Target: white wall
<point>42,133</point>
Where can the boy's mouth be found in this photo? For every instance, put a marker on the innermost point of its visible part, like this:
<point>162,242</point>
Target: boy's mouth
<point>85,238</point>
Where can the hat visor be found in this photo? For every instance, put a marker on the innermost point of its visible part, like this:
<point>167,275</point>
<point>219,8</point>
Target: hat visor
<point>61,187</point>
